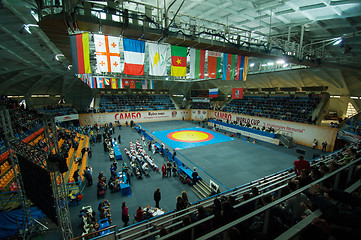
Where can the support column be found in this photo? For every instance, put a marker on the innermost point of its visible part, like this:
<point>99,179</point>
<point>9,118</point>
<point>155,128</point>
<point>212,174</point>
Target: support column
<point>299,54</point>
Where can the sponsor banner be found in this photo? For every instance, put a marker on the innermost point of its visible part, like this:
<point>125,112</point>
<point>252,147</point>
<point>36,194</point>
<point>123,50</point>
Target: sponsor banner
<point>67,118</point>
<point>246,133</point>
<point>199,114</point>
<point>137,117</point>
<point>302,133</point>
<point>348,136</point>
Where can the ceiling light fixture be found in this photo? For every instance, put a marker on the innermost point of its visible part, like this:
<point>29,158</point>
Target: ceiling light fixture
<point>338,41</point>
<point>251,65</point>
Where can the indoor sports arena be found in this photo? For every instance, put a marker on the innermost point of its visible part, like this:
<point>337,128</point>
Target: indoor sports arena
<point>180,119</point>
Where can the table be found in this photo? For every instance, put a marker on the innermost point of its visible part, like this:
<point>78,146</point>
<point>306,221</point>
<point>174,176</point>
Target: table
<point>117,153</point>
<point>187,171</point>
<point>125,187</point>
<point>150,212</point>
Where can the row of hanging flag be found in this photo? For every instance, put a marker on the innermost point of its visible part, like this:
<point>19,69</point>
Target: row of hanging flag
<point>115,83</point>
<point>107,50</point>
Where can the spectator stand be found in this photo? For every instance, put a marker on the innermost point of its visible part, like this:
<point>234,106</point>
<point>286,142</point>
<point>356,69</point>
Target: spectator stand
<point>56,110</point>
<point>245,131</point>
<point>275,183</point>
<point>297,108</point>
<point>124,103</point>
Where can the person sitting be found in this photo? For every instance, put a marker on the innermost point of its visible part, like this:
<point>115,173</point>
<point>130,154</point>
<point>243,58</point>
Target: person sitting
<point>139,215</point>
<point>73,198</point>
<point>145,168</point>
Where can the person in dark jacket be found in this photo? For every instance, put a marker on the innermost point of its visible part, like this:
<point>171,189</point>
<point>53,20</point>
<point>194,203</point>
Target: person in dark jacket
<point>157,197</point>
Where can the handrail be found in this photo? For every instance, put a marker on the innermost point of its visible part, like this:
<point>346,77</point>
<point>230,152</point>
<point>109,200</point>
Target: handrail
<point>258,211</point>
<point>96,232</point>
<point>234,192</point>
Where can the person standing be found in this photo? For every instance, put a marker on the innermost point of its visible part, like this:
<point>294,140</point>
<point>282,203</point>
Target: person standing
<point>119,139</point>
<point>314,143</point>
<point>300,164</point>
<point>125,214</point>
<point>164,169</point>
<point>157,197</point>
<point>169,169</point>
<point>324,146</point>
<point>76,176</point>
<point>195,176</point>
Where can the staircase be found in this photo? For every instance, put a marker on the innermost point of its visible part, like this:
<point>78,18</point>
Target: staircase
<point>201,189</point>
<point>286,141</point>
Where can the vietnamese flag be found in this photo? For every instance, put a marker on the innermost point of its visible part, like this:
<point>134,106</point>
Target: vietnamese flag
<point>179,61</point>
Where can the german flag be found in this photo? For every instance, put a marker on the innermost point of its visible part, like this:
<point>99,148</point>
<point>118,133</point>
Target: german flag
<point>79,47</point>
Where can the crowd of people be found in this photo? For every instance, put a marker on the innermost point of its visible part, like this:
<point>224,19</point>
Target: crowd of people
<point>134,102</point>
<point>292,108</point>
<point>24,121</point>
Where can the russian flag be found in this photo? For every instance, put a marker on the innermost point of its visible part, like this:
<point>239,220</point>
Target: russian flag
<point>134,54</point>
<point>213,92</point>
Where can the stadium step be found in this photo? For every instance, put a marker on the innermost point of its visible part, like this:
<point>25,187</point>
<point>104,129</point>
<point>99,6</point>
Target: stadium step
<point>202,189</point>
<point>205,186</point>
<point>197,190</point>
<point>287,141</point>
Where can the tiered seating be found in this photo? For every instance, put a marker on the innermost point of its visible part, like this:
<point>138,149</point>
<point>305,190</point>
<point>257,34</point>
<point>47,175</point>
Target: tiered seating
<point>56,110</point>
<point>120,103</point>
<point>202,105</point>
<point>84,160</point>
<point>275,184</point>
<point>8,176</point>
<point>288,108</point>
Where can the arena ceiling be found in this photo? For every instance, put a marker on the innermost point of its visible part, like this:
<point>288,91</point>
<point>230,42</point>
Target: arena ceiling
<point>28,62</point>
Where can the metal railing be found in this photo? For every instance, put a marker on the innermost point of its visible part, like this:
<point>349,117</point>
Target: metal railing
<point>215,33</point>
<point>274,183</point>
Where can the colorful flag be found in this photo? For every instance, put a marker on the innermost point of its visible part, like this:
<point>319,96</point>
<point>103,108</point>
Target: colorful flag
<point>229,66</point>
<point>107,53</point>
<point>241,70</point>
<point>116,83</point>
<point>147,84</point>
<point>138,84</point>
<point>134,52</point>
<point>79,47</point>
<point>237,93</point>
<point>179,61</point>
<point>132,83</point>
<point>93,82</point>
<point>213,92</point>
<point>197,63</point>
<point>158,54</point>
<point>214,64</point>
<point>100,81</point>
<point>126,82</point>
<point>106,81</point>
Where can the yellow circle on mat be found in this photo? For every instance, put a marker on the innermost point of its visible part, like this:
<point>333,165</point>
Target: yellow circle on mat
<point>190,136</point>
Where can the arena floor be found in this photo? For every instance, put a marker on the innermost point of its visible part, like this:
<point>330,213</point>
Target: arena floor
<point>230,162</point>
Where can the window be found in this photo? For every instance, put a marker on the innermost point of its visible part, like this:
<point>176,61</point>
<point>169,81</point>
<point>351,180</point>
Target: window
<point>351,111</point>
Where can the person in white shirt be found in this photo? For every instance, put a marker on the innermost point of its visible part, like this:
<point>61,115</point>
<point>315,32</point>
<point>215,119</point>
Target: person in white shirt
<point>153,148</point>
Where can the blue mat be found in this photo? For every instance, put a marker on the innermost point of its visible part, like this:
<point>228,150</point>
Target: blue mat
<point>179,145</point>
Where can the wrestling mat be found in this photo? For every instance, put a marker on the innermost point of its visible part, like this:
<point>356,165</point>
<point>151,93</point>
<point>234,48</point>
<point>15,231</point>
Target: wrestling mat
<point>190,137</point>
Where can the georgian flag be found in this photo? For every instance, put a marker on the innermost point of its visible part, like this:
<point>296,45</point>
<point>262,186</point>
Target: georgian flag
<point>107,53</point>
